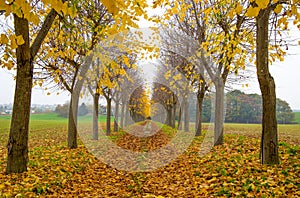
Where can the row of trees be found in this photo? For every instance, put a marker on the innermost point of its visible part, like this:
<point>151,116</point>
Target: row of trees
<point>247,108</point>
<point>243,108</point>
<point>223,41</point>
<point>63,110</point>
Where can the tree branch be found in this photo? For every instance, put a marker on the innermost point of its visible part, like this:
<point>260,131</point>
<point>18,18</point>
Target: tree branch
<point>42,33</point>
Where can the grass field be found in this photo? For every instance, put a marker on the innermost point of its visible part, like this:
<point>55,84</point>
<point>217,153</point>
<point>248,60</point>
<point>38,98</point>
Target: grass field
<point>43,127</point>
<point>40,123</point>
<point>297,117</point>
<point>229,170</point>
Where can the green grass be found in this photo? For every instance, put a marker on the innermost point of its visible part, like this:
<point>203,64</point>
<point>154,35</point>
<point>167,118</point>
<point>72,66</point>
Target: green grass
<point>43,127</point>
<point>89,118</point>
<point>41,123</point>
<point>297,117</point>
<point>37,121</point>
<point>49,117</point>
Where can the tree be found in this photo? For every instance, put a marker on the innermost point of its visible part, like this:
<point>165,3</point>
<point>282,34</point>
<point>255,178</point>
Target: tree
<point>191,73</point>
<point>25,56</point>
<point>228,14</point>
<point>247,108</point>
<point>68,60</point>
<point>70,56</point>
<point>63,110</point>
<point>126,89</point>
<point>82,110</point>
<point>163,92</point>
<point>139,104</point>
<point>217,31</point>
<point>285,115</point>
<point>179,63</point>
<point>243,108</point>
<point>262,12</point>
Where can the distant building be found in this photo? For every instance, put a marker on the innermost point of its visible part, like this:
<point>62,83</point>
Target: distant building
<point>9,112</point>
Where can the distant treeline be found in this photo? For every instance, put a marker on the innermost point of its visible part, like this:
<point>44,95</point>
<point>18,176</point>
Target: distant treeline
<point>245,108</point>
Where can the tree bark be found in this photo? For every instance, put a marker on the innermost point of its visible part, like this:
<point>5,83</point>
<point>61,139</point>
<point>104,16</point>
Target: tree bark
<point>169,116</point>
<point>127,115</point>
<point>180,117</point>
<point>186,116</point>
<point>75,91</point>
<point>197,116</point>
<point>18,138</point>
<point>122,115</point>
<point>72,122</point>
<point>116,117</point>
<point>219,114</point>
<point>174,116</point>
<point>95,117</point>
<point>108,116</point>
<point>200,98</point>
<point>269,139</point>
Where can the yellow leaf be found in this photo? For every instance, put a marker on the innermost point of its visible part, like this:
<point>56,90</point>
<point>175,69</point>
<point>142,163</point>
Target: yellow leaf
<point>252,12</point>
<point>2,186</point>
<point>13,43</point>
<point>20,40</point>
<point>239,9</point>
<point>278,9</point>
<point>5,57</point>
<point>2,5</point>
<point>33,18</point>
<point>262,4</point>
<point>56,80</point>
<point>4,39</point>
<point>111,6</point>
<point>126,61</point>
<point>9,65</point>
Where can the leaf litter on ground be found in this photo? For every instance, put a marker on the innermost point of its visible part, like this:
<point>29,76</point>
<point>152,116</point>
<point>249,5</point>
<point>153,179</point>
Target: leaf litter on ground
<point>229,170</point>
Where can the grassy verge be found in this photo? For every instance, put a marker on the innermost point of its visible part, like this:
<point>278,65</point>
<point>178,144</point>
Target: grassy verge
<point>297,117</point>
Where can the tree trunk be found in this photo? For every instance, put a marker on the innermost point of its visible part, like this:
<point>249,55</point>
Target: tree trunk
<point>116,117</point>
<point>219,114</point>
<point>186,116</point>
<point>122,115</point>
<point>76,89</point>
<point>72,122</point>
<point>95,117</point>
<point>127,115</point>
<point>17,157</point>
<point>169,116</point>
<point>174,116</point>
<point>200,98</point>
<point>197,117</point>
<point>18,137</point>
<point>180,118</point>
<point>269,140</point>
<point>108,116</point>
